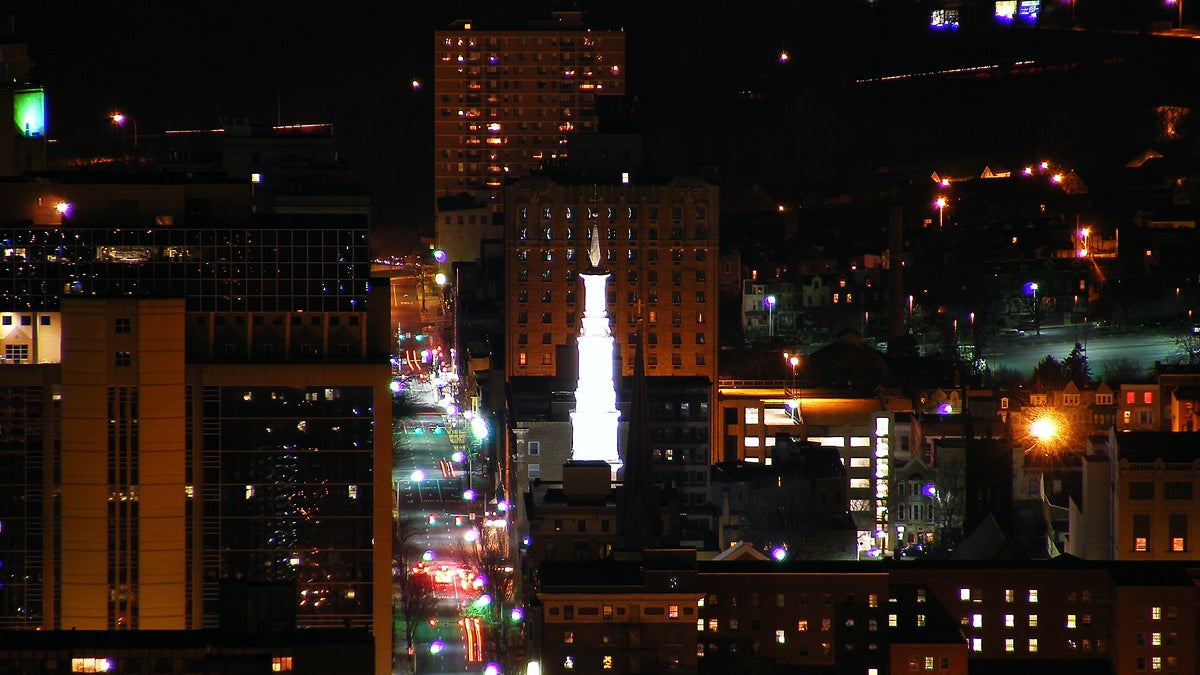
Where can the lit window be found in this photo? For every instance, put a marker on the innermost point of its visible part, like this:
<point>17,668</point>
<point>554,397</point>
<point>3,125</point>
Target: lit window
<point>92,665</point>
<point>928,663</point>
<point>1032,645</point>
<point>977,621</point>
<point>1033,621</point>
<point>568,637</point>
<point>892,621</point>
<point>712,625</point>
<point>1033,595</point>
<point>1155,663</point>
<point>606,662</point>
<point>1008,595</point>
<point>699,625</point>
<point>1009,646</point>
<point>281,664</point>
<point>964,594</point>
<point>1070,621</point>
<point>1140,544</point>
<point>1009,621</point>
<point>802,625</point>
<point>1177,544</point>
<point>976,644</point>
<point>1156,639</point>
<point>569,663</point>
<point>780,637</point>
<point>1147,397</point>
<point>673,611</point>
<point>1156,613</point>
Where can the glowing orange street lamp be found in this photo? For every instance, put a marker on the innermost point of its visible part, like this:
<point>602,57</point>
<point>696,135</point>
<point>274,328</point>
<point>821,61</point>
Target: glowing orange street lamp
<point>1043,429</point>
<point>940,203</point>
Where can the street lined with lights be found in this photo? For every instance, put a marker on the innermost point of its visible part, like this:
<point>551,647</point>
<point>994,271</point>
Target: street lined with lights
<point>437,474</point>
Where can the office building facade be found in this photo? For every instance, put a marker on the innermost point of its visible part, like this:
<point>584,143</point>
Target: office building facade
<point>192,396</point>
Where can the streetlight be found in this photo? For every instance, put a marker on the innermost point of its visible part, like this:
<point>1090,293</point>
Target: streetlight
<point>769,301</point>
<point>1031,290</point>
<point>120,119</point>
<point>1179,7</point>
<point>418,477</point>
<point>940,203</point>
<point>793,360</point>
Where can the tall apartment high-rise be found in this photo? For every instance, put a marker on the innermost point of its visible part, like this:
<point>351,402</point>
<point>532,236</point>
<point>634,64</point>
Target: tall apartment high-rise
<point>507,102</point>
<point>190,395</point>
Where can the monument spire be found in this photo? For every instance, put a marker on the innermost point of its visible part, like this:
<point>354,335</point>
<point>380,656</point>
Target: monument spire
<point>595,417</point>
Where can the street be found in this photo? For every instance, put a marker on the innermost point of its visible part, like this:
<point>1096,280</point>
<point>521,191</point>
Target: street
<point>437,527</point>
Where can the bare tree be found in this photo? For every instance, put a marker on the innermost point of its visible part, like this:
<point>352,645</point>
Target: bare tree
<point>490,557</point>
<point>416,593</point>
<point>949,498</point>
<point>1187,346</point>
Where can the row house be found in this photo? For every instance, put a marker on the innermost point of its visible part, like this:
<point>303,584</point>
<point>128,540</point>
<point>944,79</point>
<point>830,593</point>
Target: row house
<point>868,618</point>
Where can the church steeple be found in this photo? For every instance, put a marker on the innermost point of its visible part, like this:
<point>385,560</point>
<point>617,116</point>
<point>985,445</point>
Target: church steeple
<point>639,521</point>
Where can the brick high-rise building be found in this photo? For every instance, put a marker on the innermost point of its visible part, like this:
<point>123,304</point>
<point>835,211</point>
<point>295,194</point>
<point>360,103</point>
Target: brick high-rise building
<point>506,102</point>
<point>658,241</point>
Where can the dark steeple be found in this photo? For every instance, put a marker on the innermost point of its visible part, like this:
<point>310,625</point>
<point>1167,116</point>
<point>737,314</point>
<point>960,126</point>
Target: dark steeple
<point>639,517</point>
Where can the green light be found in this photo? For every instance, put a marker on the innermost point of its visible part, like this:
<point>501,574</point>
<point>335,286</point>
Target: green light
<point>29,112</point>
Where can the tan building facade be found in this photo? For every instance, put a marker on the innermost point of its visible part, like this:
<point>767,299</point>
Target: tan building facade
<point>659,243</point>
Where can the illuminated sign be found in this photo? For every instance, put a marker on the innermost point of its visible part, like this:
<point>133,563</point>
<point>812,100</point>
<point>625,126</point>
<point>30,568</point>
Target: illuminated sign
<point>1028,10</point>
<point>944,19</point>
<point>29,112</point>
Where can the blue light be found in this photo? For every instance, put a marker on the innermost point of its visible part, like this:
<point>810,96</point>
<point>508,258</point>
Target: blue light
<point>779,553</point>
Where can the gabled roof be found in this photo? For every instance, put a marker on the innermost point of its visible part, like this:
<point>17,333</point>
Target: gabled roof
<point>987,542</point>
<point>741,551</point>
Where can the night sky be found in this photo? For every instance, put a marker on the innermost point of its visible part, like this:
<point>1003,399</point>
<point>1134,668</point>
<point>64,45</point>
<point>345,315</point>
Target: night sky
<point>697,73</point>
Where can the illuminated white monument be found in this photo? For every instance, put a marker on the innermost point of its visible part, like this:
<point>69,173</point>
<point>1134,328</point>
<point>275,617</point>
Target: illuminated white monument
<point>594,419</point>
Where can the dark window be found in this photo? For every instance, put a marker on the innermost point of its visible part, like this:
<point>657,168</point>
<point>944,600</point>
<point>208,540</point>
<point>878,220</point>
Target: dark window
<point>1141,490</point>
<point>123,360</point>
<point>122,325</point>
<point>1177,490</point>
